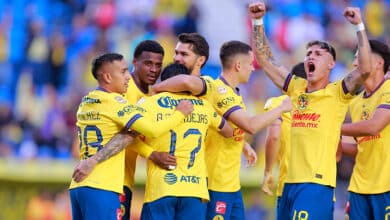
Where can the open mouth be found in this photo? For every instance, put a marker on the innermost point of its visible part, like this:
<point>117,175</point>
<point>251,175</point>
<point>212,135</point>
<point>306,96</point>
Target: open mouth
<point>312,67</point>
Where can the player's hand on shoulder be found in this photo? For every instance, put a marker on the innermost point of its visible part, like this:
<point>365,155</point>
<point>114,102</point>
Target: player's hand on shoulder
<point>256,10</point>
<point>353,15</point>
<point>185,107</point>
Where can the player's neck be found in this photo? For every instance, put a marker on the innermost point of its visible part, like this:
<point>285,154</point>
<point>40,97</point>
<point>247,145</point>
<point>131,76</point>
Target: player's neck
<point>144,87</point>
<point>314,86</point>
<point>230,79</point>
<point>373,81</point>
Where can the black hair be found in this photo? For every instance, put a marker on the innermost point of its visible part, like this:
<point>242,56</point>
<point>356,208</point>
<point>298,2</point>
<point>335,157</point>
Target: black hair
<point>148,46</point>
<point>299,70</point>
<point>174,69</point>
<point>383,51</point>
<point>323,45</point>
<point>198,42</point>
<point>230,49</point>
<point>98,62</point>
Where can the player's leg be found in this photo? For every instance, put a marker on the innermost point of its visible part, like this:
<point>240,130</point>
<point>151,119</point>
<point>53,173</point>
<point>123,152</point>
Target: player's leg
<point>359,207</point>
<point>238,208</point>
<point>97,204</point>
<point>381,206</point>
<point>220,205</point>
<point>125,200</point>
<point>312,201</point>
<point>190,208</point>
<point>163,208</point>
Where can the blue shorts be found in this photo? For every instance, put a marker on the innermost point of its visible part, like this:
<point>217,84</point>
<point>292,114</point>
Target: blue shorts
<point>225,205</point>
<point>277,205</point>
<point>125,200</point>
<point>170,207</point>
<point>306,201</point>
<point>369,206</point>
<point>94,204</point>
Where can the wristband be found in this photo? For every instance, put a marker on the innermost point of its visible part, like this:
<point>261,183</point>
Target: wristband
<point>360,27</point>
<point>258,21</point>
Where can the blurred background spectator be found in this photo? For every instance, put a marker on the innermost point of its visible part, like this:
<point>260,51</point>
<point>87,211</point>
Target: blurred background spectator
<point>47,47</point>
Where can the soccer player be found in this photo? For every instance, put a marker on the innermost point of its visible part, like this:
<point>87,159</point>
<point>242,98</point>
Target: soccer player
<point>192,50</point>
<point>102,114</point>
<point>369,186</point>
<point>318,113</point>
<point>182,192</point>
<point>223,155</point>
<point>277,142</point>
<point>147,62</point>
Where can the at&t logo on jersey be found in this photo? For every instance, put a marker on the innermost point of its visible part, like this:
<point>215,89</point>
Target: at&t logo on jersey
<point>303,102</point>
<point>170,178</point>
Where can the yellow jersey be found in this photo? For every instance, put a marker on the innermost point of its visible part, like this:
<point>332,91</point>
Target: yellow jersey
<point>371,171</point>
<point>100,116</point>
<point>133,94</point>
<point>223,155</point>
<point>284,149</point>
<point>186,142</point>
<point>316,121</point>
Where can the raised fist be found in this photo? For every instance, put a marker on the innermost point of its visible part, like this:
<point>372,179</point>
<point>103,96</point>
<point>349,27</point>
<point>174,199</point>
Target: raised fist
<point>257,10</point>
<point>353,15</point>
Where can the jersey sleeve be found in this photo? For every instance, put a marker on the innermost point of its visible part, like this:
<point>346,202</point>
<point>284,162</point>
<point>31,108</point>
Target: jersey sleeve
<point>142,148</point>
<point>217,122</point>
<point>385,99</point>
<point>148,126</point>
<point>344,94</point>
<point>208,87</point>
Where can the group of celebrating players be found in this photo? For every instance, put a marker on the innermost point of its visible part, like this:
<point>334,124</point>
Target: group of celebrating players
<point>193,171</point>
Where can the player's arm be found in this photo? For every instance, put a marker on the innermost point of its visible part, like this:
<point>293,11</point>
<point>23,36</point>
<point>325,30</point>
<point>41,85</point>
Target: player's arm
<point>370,127</point>
<point>150,128</point>
<point>249,154</point>
<point>272,145</point>
<point>354,80</point>
<point>349,146</point>
<point>262,49</point>
<point>114,146</point>
<point>161,159</point>
<point>253,124</point>
<point>193,84</point>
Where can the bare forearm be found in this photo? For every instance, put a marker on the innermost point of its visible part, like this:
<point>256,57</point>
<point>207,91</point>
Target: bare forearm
<point>113,147</point>
<point>359,129</point>
<point>180,83</point>
<point>264,56</point>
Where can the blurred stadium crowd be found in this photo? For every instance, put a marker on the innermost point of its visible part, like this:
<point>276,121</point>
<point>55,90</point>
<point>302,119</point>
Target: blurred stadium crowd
<point>47,47</point>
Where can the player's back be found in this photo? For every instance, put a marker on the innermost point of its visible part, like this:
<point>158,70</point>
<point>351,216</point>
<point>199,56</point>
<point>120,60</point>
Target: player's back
<point>186,142</point>
<point>100,116</point>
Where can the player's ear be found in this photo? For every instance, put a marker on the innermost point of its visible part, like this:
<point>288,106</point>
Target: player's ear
<point>106,76</point>
<point>201,60</point>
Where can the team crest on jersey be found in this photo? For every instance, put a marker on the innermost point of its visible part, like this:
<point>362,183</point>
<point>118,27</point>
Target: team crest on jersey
<point>120,99</point>
<point>303,102</point>
<point>365,115</point>
<point>170,178</point>
<point>222,90</point>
